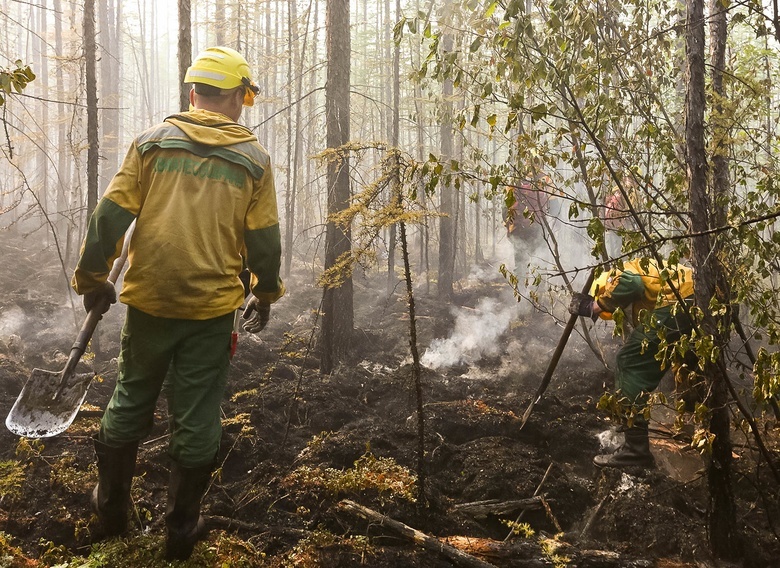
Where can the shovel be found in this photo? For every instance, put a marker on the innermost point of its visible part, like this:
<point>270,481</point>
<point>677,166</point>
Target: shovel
<point>555,358</point>
<point>50,400</point>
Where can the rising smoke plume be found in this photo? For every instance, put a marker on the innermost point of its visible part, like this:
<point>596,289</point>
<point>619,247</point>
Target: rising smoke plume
<point>475,335</point>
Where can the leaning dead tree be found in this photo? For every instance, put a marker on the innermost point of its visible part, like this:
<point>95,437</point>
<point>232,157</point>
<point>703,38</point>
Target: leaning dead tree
<point>433,544</point>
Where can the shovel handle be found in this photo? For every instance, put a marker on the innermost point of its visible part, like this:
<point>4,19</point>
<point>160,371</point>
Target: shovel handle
<point>556,356</point>
<point>94,315</point>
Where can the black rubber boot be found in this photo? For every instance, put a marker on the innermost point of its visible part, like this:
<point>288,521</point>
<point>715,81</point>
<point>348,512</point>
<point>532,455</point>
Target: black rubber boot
<point>185,526</point>
<point>635,451</point>
<point>112,493</point>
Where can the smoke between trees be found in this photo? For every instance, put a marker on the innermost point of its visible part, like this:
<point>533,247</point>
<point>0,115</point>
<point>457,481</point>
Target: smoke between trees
<point>476,334</point>
<point>12,321</point>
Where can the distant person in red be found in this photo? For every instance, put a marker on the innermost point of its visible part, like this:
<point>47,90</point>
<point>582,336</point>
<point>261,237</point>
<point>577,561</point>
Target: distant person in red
<point>617,216</point>
<point>525,203</point>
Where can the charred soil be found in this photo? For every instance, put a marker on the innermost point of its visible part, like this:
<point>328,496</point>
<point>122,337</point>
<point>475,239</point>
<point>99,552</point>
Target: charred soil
<point>301,452</point>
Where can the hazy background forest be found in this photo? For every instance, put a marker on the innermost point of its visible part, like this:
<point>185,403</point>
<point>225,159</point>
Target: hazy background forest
<point>650,126</point>
<point>596,92</point>
<point>45,142</point>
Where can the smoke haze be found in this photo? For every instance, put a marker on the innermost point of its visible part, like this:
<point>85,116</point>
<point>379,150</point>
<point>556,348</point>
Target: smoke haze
<point>475,335</point>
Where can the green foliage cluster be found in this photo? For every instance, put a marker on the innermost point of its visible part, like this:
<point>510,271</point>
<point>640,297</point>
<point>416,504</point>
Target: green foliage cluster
<point>369,472</point>
<point>551,550</point>
<point>64,473</point>
<point>12,476</point>
<point>307,552</point>
<point>10,555</point>
<point>523,529</point>
<point>148,550</point>
<point>242,420</point>
<point>592,94</point>
<point>767,378</point>
<point>13,79</point>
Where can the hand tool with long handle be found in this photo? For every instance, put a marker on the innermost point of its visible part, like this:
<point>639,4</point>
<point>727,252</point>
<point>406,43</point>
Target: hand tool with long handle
<point>556,357</point>
<point>50,400</point>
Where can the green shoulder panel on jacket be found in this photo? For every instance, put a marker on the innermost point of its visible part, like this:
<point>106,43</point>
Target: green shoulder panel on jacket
<point>263,248</point>
<point>643,285</point>
<point>620,290</point>
<point>102,244</point>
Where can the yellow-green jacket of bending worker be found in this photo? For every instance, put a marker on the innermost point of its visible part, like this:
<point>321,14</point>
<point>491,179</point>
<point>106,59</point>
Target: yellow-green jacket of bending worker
<point>201,190</point>
<point>639,286</point>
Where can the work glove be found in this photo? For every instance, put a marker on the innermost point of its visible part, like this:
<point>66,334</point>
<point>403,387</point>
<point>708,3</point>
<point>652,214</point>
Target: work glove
<point>258,321</point>
<point>103,296</point>
<point>582,305</point>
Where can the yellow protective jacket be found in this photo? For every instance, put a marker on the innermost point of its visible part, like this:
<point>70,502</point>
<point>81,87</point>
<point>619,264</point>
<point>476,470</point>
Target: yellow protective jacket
<point>641,287</point>
<point>202,190</point>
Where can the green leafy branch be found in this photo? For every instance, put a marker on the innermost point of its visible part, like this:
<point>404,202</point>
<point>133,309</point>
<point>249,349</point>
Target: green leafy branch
<point>13,80</point>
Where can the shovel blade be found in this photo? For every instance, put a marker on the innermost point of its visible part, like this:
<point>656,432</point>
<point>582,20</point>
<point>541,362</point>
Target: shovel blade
<point>39,411</point>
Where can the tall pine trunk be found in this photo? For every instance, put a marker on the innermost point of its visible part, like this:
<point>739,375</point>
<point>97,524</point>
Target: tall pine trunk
<point>109,92</point>
<point>90,57</point>
<point>42,83</point>
<point>184,51</point>
<point>64,220</point>
<point>337,306</point>
<point>294,132</point>
<point>709,278</point>
<point>394,129</point>
<point>447,199</point>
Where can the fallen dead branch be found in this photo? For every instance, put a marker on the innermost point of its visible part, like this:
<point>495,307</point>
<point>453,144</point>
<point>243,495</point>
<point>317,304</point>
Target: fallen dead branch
<point>461,550</point>
<point>481,509</point>
<point>543,502</point>
<point>428,542</point>
<point>226,523</point>
<point>593,516</point>
<point>551,516</point>
<point>486,547</point>
<point>527,554</point>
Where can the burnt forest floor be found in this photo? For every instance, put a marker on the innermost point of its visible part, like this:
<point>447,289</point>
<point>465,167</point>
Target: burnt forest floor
<point>302,453</point>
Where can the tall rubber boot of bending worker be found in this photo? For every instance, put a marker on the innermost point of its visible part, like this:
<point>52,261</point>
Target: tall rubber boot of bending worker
<point>634,452</point>
<point>186,527</point>
<point>111,495</point>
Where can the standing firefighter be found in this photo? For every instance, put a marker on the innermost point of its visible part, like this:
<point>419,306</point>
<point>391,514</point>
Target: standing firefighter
<point>202,192</point>
<point>640,366</point>
<point>617,215</point>
<point>525,204</point>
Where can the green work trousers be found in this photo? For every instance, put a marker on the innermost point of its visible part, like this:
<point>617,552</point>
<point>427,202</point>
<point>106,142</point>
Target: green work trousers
<point>638,371</point>
<point>195,357</point>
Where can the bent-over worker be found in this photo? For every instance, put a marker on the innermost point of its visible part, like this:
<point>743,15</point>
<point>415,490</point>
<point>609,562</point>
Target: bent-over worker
<point>641,285</point>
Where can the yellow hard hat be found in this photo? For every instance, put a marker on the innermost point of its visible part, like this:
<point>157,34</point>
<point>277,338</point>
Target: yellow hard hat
<point>600,283</point>
<point>598,287</point>
<point>223,68</point>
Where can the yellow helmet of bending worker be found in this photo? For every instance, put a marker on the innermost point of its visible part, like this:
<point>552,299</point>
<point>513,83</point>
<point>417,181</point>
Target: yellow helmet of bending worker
<point>599,285</point>
<point>224,69</point>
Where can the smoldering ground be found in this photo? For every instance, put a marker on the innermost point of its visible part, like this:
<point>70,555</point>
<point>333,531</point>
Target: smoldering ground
<point>287,431</point>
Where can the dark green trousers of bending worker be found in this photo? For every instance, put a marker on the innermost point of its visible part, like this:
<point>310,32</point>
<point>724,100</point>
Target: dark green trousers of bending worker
<point>195,354</point>
<point>638,371</point>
